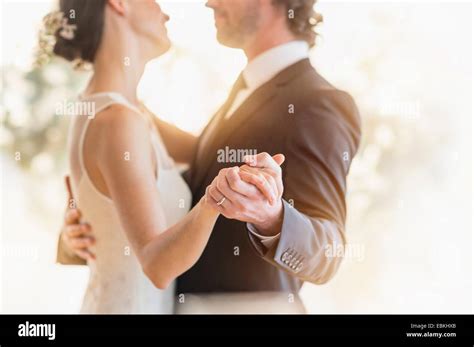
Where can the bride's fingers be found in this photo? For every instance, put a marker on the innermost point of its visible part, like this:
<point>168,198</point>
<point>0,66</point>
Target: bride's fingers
<point>223,186</point>
<point>215,194</point>
<point>211,201</point>
<point>208,190</point>
<point>261,183</point>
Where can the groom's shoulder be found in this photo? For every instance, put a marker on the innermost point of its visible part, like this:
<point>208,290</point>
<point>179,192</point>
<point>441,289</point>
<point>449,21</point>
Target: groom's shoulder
<point>320,98</point>
<point>314,87</point>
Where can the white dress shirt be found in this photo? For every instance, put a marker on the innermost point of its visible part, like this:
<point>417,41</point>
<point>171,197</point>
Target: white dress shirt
<point>259,71</point>
<point>266,66</point>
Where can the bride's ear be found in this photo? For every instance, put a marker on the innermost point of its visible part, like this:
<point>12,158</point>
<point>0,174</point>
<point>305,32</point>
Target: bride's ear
<point>118,6</point>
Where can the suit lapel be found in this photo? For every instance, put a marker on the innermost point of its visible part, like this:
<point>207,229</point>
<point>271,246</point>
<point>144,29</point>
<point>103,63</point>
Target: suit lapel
<point>254,102</point>
<point>226,128</point>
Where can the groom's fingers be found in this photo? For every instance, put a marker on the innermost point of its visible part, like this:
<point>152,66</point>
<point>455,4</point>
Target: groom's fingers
<point>266,161</point>
<point>81,242</point>
<point>272,178</point>
<point>239,185</point>
<point>77,230</point>
<point>85,254</point>
<point>72,216</point>
<point>279,159</point>
<point>78,239</point>
<point>270,165</point>
<point>259,181</point>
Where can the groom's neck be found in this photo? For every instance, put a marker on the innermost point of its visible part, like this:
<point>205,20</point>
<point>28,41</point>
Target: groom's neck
<point>266,38</point>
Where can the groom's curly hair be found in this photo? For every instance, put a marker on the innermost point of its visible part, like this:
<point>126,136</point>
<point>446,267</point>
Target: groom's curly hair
<point>302,18</point>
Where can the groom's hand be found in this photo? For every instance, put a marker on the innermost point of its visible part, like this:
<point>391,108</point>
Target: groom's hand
<point>252,193</point>
<point>77,236</point>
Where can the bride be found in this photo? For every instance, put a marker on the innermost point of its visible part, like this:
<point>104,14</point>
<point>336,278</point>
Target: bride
<point>123,179</point>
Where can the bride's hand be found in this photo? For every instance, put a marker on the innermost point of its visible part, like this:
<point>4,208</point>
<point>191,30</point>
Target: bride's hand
<point>244,181</point>
<point>251,193</point>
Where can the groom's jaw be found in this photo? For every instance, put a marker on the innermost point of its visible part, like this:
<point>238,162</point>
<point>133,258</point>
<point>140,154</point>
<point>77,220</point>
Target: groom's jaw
<point>219,18</point>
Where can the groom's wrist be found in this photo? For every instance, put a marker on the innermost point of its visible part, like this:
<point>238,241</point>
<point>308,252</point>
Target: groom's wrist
<point>272,225</point>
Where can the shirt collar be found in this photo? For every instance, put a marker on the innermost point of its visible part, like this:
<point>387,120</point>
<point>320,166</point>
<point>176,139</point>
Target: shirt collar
<point>268,64</point>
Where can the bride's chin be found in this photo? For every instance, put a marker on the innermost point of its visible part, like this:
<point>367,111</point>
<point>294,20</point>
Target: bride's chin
<point>163,47</point>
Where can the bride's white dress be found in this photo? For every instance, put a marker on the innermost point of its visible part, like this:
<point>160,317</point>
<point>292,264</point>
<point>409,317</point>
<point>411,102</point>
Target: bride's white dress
<point>117,283</point>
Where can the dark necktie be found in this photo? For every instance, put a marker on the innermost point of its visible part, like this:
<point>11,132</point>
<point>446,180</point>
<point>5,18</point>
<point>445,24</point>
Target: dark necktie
<point>238,86</point>
<point>211,131</point>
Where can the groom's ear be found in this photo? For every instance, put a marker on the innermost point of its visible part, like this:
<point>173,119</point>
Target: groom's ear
<point>117,5</point>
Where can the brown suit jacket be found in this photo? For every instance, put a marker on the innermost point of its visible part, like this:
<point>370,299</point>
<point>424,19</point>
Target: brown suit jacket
<point>319,140</point>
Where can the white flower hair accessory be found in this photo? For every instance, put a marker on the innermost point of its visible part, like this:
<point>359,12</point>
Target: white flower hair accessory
<point>53,23</point>
<point>67,31</point>
<point>56,22</point>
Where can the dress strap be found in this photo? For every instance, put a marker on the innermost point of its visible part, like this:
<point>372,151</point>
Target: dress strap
<point>101,102</point>
<point>105,100</point>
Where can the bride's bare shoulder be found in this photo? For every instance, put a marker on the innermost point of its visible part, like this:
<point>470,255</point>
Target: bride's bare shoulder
<point>118,126</point>
<point>119,116</point>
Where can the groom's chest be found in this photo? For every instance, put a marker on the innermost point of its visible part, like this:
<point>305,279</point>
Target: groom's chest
<point>258,125</point>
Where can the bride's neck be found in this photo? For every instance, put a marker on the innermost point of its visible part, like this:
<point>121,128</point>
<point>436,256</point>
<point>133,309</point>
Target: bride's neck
<point>117,72</point>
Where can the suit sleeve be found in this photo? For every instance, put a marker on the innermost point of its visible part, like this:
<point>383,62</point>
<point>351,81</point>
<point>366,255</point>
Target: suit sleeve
<point>319,148</point>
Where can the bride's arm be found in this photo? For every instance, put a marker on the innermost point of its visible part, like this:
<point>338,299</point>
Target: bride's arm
<point>163,253</point>
<point>180,144</point>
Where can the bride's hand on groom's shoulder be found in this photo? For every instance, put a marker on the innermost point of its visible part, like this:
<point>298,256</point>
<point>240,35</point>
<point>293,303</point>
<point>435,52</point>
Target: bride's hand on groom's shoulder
<point>251,193</point>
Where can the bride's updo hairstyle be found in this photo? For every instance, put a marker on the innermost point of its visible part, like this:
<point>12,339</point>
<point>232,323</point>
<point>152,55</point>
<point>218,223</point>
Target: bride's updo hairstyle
<point>79,36</point>
<point>73,32</point>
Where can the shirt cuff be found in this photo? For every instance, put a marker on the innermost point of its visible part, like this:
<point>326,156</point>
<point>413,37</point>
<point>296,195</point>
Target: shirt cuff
<point>267,241</point>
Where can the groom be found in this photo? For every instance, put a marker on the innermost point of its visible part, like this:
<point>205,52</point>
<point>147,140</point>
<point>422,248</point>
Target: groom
<point>279,104</point>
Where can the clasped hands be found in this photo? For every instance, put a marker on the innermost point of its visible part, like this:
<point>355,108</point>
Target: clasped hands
<point>251,193</point>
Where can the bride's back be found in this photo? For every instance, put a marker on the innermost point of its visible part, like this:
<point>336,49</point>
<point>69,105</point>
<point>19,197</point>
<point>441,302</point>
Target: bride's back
<point>117,283</point>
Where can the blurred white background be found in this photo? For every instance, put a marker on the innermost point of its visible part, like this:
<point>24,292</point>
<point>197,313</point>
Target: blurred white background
<point>409,67</point>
